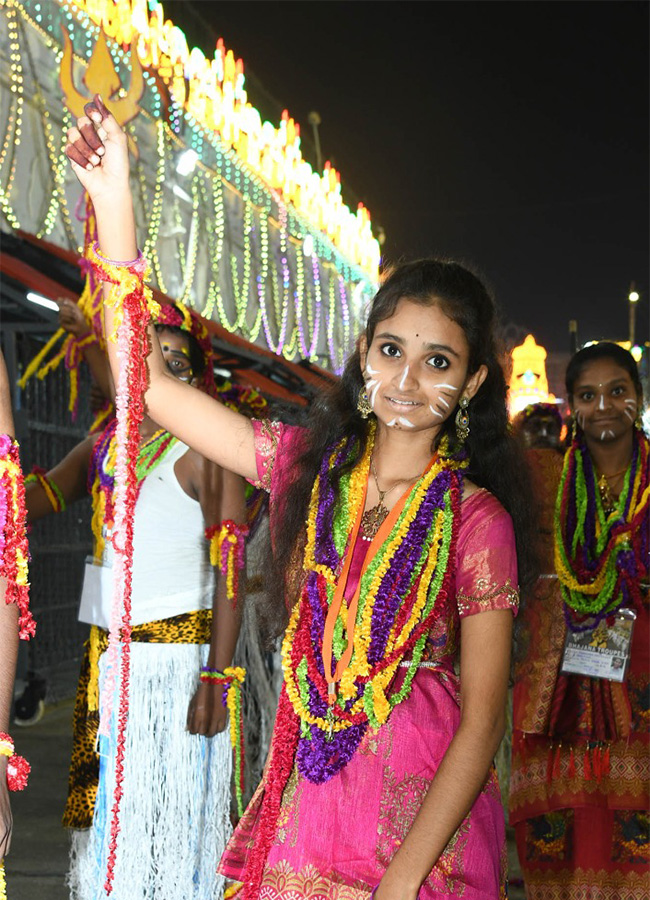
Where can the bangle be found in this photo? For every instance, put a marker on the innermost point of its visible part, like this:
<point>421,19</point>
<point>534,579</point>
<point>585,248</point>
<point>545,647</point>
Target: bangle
<point>116,262</point>
<point>228,551</point>
<point>52,491</point>
<point>18,768</point>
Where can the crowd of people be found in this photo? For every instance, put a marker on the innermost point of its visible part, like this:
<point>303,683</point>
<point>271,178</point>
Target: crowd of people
<point>425,553</point>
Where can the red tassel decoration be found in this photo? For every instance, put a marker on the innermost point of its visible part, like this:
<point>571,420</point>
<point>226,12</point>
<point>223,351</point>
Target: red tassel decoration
<point>587,772</point>
<point>557,761</point>
<point>606,763</point>
<point>572,764</point>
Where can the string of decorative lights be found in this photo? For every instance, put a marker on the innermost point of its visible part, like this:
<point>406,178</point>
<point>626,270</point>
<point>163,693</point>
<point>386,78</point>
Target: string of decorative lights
<point>268,252</point>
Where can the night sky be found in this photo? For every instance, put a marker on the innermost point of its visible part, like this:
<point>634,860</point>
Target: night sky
<point>510,135</point>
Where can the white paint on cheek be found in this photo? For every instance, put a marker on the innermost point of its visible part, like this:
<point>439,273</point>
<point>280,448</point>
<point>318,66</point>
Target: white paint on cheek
<point>405,422</point>
<point>629,414</point>
<point>443,401</point>
<point>370,370</point>
<point>580,416</point>
<point>373,396</point>
<point>404,377</point>
<point>436,413</point>
<point>451,387</point>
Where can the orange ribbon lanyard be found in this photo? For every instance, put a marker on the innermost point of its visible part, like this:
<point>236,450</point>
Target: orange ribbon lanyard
<point>332,614</point>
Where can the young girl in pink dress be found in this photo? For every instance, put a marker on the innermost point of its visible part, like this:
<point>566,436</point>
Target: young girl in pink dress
<point>399,520</point>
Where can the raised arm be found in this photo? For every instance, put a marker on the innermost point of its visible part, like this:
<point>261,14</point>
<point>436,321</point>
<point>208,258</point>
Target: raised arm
<point>8,640</point>
<point>98,152</point>
<point>72,320</point>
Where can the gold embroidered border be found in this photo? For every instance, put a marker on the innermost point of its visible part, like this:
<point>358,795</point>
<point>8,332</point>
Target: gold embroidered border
<point>629,774</point>
<point>282,882</point>
<point>486,593</point>
<point>267,445</point>
<point>586,884</point>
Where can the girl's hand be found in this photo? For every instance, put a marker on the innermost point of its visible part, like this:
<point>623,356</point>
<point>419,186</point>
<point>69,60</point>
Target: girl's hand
<point>98,152</point>
<point>206,714</point>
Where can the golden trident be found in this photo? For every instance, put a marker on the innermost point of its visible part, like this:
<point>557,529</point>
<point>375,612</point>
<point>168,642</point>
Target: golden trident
<point>101,78</point>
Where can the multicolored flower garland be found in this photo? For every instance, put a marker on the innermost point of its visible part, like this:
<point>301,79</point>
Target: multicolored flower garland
<point>228,551</point>
<point>232,679</point>
<point>71,348</point>
<point>601,560</point>
<point>134,306</point>
<point>408,575</point>
<point>14,552</point>
<point>101,475</point>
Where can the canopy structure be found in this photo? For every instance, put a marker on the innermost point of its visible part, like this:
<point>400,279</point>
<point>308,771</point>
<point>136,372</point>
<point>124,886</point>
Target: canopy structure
<point>234,221</point>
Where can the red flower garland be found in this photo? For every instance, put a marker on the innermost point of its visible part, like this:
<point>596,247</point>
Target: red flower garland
<point>18,768</point>
<point>14,551</point>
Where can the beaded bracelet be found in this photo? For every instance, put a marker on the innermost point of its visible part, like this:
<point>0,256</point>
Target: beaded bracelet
<point>232,679</point>
<point>18,768</point>
<point>52,491</point>
<point>228,551</point>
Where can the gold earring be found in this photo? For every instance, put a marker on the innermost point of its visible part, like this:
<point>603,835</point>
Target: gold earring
<point>363,404</point>
<point>462,420</point>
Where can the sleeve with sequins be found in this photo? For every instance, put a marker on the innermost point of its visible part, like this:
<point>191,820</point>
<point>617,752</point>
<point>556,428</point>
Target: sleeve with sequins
<point>486,559</point>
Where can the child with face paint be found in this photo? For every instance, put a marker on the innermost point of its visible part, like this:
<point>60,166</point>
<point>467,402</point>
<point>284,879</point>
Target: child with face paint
<point>580,823</point>
<point>380,778</point>
<point>178,751</point>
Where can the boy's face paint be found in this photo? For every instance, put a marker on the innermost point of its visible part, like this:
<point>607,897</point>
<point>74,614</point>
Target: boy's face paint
<point>175,349</point>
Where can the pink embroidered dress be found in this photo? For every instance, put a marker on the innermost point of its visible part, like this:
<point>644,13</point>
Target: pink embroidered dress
<point>334,840</point>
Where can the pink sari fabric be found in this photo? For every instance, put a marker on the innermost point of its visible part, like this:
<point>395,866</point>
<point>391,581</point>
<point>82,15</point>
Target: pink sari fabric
<point>335,840</point>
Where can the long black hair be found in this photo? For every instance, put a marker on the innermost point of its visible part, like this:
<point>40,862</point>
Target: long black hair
<point>496,461</point>
<point>602,350</point>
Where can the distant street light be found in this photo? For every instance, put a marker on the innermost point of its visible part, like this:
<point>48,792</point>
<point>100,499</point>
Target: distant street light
<point>633,298</point>
<point>573,335</point>
<point>314,120</point>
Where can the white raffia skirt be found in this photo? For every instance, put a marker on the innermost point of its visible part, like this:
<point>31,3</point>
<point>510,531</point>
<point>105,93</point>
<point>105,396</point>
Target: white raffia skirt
<point>175,808</point>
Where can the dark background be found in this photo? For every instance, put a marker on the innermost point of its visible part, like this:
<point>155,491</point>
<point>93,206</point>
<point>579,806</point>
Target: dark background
<point>512,135</point>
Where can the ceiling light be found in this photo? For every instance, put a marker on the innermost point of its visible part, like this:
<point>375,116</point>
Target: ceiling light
<point>43,301</point>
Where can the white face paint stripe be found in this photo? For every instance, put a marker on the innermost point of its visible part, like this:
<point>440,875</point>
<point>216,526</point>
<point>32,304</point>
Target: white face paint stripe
<point>442,400</point>
<point>373,396</point>
<point>603,435</point>
<point>452,387</point>
<point>436,413</point>
<point>601,405</point>
<point>370,370</point>
<point>629,414</point>
<point>392,423</point>
<point>404,377</point>
<point>611,433</point>
<point>405,422</point>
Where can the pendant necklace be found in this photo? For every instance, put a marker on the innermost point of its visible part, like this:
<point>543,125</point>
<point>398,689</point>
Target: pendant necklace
<point>608,499</point>
<point>372,518</point>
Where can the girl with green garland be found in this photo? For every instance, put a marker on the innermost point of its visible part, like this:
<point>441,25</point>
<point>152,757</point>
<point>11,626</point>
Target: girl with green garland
<point>580,777</point>
<point>394,576</point>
